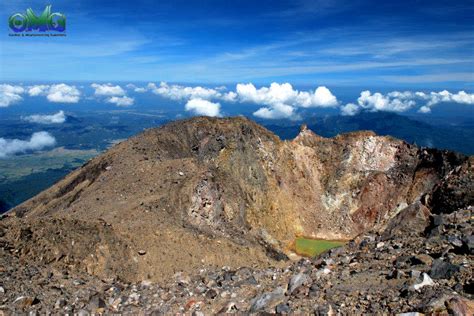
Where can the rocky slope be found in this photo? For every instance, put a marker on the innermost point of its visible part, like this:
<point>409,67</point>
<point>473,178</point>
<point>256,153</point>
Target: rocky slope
<point>427,270</point>
<point>206,193</point>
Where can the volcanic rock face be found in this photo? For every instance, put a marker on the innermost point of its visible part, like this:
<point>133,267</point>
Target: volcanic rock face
<point>227,192</point>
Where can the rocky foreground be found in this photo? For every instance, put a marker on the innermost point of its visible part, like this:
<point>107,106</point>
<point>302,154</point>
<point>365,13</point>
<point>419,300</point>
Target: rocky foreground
<point>415,267</point>
<point>201,216</point>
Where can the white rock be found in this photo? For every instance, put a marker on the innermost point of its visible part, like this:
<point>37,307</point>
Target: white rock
<point>297,280</point>
<point>427,281</point>
<point>146,283</point>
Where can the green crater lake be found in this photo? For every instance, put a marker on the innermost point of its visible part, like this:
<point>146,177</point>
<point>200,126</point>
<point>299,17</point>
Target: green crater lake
<point>313,247</point>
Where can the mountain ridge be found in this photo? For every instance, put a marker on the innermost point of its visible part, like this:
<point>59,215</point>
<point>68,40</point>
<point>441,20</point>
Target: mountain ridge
<point>236,185</point>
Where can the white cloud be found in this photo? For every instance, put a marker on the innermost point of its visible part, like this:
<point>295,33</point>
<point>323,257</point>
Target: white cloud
<point>281,100</point>
<point>392,102</point>
<point>38,141</point>
<point>402,101</point>
<point>350,109</point>
<point>284,93</point>
<point>425,109</point>
<point>107,89</point>
<point>203,107</point>
<point>230,96</point>
<point>63,93</point>
<point>278,100</point>
<point>380,102</point>
<point>37,90</point>
<point>139,90</point>
<point>121,101</point>
<point>445,96</point>
<point>10,94</point>
<point>133,87</point>
<point>277,111</point>
<point>178,92</point>
<point>57,118</point>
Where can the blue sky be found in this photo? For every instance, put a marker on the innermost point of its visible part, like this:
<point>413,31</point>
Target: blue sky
<point>409,44</point>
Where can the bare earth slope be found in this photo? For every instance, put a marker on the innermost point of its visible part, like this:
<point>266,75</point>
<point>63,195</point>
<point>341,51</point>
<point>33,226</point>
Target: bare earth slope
<point>227,192</point>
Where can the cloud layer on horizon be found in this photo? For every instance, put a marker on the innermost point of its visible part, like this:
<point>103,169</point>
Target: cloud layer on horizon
<point>279,100</point>
<point>397,101</point>
<point>276,101</point>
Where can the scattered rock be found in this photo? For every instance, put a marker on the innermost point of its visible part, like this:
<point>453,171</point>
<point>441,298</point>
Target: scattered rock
<point>468,244</point>
<point>413,219</point>
<point>25,301</point>
<point>282,309</point>
<point>423,259</point>
<point>83,312</point>
<point>443,270</point>
<point>455,241</point>
<point>460,306</point>
<point>96,302</point>
<point>60,303</point>
<point>211,294</point>
<point>267,300</point>
<point>297,280</point>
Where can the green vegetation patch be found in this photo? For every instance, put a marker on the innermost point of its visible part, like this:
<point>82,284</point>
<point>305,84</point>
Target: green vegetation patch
<point>313,247</point>
<point>16,167</point>
<point>23,176</point>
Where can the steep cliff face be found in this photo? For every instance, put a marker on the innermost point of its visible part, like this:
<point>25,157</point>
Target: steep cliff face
<point>228,192</point>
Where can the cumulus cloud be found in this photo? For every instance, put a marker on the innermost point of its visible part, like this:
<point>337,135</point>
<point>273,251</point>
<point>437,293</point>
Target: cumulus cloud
<point>10,94</point>
<point>57,118</point>
<point>63,93</point>
<point>107,89</point>
<point>445,96</point>
<point>121,101</point>
<point>380,102</point>
<point>178,92</point>
<point>350,109</point>
<point>38,141</point>
<point>397,101</point>
<point>133,87</point>
<point>281,100</point>
<point>58,93</point>
<point>285,94</point>
<point>278,100</point>
<point>425,109</point>
<point>37,90</point>
<point>203,107</point>
<point>277,111</point>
